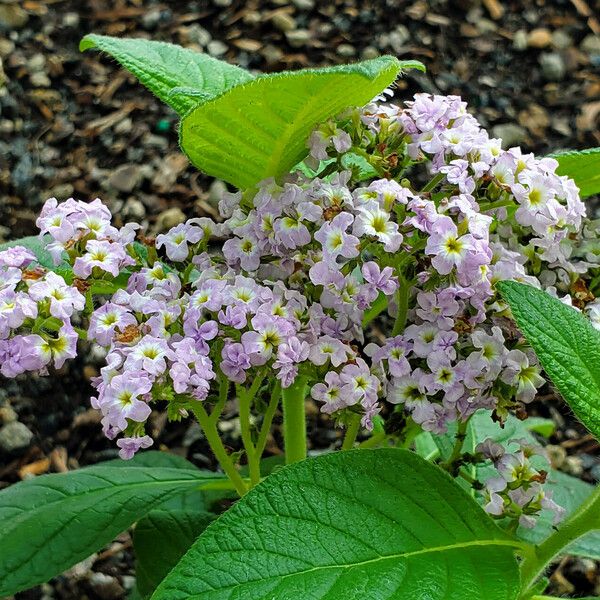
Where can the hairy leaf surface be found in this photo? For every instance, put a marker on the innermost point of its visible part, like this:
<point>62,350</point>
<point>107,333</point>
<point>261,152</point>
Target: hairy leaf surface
<point>377,524</point>
<point>260,129</point>
<point>180,77</point>
<point>566,344</point>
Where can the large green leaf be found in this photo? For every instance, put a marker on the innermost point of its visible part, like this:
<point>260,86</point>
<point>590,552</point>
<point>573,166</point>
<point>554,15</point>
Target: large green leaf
<point>377,524</point>
<point>569,492</point>
<point>566,344</point>
<point>584,167</point>
<point>260,129</point>
<point>49,523</point>
<point>180,77</point>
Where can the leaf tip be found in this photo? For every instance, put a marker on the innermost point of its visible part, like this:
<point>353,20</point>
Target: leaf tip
<point>87,42</point>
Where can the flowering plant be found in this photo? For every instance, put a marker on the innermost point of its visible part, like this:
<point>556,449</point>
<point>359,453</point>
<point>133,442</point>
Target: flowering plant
<point>368,262</point>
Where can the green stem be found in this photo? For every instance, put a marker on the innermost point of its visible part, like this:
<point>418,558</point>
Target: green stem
<point>461,433</point>
<point>586,518</point>
<point>253,465</point>
<point>223,393</point>
<point>410,432</point>
<point>268,419</point>
<point>216,445</point>
<point>294,420</point>
<point>402,299</point>
<point>352,430</point>
<point>434,182</point>
<point>374,440</point>
<point>486,206</point>
<point>246,396</point>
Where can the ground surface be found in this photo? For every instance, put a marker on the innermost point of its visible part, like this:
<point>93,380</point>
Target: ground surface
<point>73,124</point>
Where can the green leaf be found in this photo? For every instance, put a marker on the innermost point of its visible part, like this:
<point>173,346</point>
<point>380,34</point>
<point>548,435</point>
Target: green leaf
<point>361,168</point>
<point>374,524</point>
<point>51,522</point>
<point>584,167</point>
<point>161,538</point>
<point>569,492</point>
<point>180,77</point>
<point>566,344</point>
<point>260,129</point>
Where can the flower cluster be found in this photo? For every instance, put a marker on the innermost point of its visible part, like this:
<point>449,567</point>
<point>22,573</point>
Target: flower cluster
<point>516,491</point>
<point>36,308</point>
<point>381,293</point>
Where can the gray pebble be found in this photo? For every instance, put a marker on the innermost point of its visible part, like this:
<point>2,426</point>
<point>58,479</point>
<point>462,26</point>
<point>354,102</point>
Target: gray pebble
<point>346,50</point>
<point>169,218</point>
<point>125,178</point>
<point>12,16</point>
<point>520,40</point>
<point>14,436</point>
<point>105,586</point>
<point>510,133</point>
<point>591,44</point>
<point>216,48</point>
<point>304,4</point>
<point>134,209</point>
<point>298,38</point>
<point>284,22</point>
<point>369,52</point>
<point>553,66</point>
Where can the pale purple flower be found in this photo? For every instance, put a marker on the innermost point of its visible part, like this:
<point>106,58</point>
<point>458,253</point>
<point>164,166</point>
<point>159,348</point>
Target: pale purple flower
<point>395,351</point>
<point>330,393</point>
<point>381,280</point>
<point>107,320</point>
<point>234,316</point>
<point>269,333</point>
<point>176,240</point>
<point>130,445</point>
<point>325,136</point>
<point>235,362</point>
<point>123,398</point>
<point>334,239</point>
<point>59,347</point>
<point>449,250</point>
<point>374,221</point>
<point>192,369</point>
<point>20,354</point>
<point>438,307</point>
<point>518,372</point>
<point>106,256</point>
<point>15,308</point>
<point>210,295</point>
<point>64,299</point>
<point>327,348</point>
<point>358,382</point>
<point>243,251</point>
<point>149,354</point>
<point>9,277</point>
<point>16,256</point>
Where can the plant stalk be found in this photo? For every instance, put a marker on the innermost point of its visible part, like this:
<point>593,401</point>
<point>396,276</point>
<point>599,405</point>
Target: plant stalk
<point>216,445</point>
<point>268,420</point>
<point>352,430</point>
<point>461,433</point>
<point>583,520</point>
<point>294,420</point>
<point>402,299</point>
